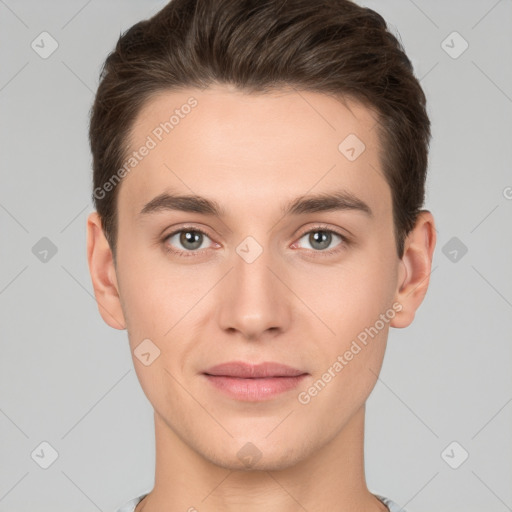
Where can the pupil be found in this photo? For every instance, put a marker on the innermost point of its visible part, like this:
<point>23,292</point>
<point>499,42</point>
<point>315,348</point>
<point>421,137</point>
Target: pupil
<point>191,237</point>
<point>323,238</point>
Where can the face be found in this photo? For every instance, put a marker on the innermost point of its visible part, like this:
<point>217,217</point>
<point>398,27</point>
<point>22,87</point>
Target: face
<point>258,280</point>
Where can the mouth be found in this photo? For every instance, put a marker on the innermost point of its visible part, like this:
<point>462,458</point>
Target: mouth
<point>253,383</point>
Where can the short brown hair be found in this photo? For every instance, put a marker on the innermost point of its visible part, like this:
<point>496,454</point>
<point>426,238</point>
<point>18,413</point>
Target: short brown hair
<point>334,47</point>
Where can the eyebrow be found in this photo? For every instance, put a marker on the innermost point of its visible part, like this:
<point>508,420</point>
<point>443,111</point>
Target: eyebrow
<point>327,201</point>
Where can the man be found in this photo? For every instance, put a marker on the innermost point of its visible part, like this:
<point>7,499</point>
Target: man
<point>259,172</point>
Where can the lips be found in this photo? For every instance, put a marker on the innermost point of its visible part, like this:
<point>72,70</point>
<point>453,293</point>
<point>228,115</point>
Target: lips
<point>242,370</point>
<point>253,382</point>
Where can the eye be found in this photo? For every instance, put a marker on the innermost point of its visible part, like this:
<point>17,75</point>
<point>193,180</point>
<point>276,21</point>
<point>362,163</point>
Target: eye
<point>192,241</point>
<point>186,240</point>
<point>320,238</point>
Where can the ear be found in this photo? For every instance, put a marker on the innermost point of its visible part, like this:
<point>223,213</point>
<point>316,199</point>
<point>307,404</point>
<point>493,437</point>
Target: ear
<point>416,263</point>
<point>103,274</point>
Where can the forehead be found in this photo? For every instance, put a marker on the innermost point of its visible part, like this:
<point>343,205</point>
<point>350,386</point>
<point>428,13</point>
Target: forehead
<point>246,148</point>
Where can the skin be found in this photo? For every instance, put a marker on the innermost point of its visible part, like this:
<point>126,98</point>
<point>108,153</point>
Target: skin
<point>293,304</point>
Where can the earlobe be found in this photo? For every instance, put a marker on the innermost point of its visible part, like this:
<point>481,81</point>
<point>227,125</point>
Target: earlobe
<point>103,274</point>
<point>416,266</point>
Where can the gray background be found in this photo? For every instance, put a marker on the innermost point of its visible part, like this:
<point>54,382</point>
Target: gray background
<point>68,379</point>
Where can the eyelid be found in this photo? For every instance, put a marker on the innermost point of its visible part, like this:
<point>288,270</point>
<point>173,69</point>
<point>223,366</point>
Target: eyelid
<point>180,252</point>
<point>345,241</point>
<point>318,227</point>
<point>325,227</point>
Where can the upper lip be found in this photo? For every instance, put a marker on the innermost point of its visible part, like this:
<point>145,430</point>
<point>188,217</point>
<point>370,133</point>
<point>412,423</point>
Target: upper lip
<point>245,370</point>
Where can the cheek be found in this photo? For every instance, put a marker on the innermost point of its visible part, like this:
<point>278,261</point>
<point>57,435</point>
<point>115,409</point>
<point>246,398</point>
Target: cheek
<point>350,295</point>
<point>156,294</point>
<point>350,300</point>
<point>350,361</point>
<point>160,302</point>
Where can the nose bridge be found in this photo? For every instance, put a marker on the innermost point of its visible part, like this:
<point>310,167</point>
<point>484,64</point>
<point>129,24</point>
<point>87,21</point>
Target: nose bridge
<point>253,301</point>
<point>251,269</point>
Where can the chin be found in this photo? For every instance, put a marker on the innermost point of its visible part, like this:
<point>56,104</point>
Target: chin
<point>256,455</point>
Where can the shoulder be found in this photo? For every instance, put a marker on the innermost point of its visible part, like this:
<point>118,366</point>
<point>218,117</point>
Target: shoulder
<point>130,505</point>
<point>393,507</point>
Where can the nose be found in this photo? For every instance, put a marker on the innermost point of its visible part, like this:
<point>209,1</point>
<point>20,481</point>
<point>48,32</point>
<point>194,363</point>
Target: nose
<point>254,301</point>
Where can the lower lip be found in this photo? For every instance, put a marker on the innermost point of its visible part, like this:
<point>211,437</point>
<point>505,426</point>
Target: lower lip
<point>254,390</point>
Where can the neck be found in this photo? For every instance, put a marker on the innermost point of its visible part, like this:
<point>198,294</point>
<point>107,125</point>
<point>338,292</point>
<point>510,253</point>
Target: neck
<point>331,478</point>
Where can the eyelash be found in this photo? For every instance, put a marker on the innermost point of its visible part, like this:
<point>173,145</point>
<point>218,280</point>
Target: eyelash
<point>344,241</point>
